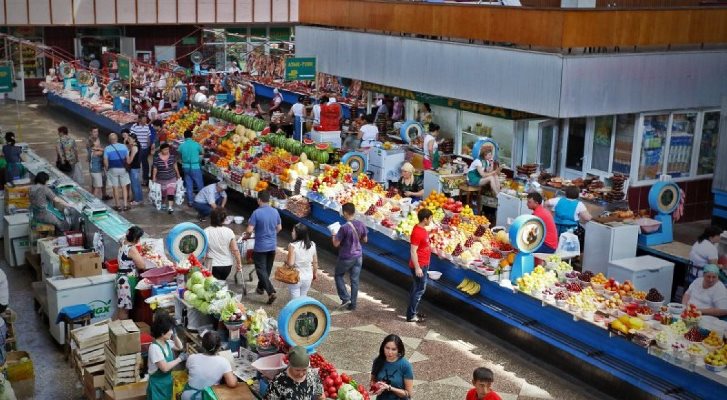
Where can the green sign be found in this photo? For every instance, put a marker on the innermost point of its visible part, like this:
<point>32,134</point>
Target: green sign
<point>483,109</point>
<point>6,79</point>
<point>124,68</point>
<point>300,69</point>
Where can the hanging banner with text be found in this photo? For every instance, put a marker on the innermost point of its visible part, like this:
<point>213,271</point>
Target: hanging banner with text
<point>300,69</point>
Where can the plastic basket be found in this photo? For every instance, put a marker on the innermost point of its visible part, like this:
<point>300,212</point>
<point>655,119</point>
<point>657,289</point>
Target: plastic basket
<point>112,266</point>
<point>74,238</point>
<point>158,276</point>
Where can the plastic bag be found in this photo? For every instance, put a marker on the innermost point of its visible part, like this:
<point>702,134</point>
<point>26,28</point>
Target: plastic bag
<point>569,244</point>
<point>180,194</point>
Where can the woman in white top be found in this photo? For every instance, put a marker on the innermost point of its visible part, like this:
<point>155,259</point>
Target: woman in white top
<point>207,369</point>
<point>222,251</point>
<point>704,251</point>
<point>369,133</point>
<point>160,385</point>
<point>430,147</point>
<point>302,256</point>
<point>708,293</point>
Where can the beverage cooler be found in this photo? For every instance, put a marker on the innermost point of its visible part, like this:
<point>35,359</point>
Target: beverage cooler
<point>644,272</point>
<point>606,243</point>
<point>509,206</point>
<point>385,164</point>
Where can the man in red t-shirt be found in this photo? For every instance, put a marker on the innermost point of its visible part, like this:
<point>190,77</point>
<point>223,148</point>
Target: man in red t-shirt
<point>535,203</point>
<point>482,380</point>
<point>419,264</point>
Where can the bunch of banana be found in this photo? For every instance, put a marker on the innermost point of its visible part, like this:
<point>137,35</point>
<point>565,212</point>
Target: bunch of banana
<point>468,286</point>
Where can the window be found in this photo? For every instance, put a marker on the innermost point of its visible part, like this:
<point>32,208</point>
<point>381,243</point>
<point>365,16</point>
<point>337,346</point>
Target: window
<point>576,144</point>
<point>624,143</point>
<point>655,129</point>
<point>681,139</point>
<point>601,154</point>
<point>708,145</point>
<point>502,131</point>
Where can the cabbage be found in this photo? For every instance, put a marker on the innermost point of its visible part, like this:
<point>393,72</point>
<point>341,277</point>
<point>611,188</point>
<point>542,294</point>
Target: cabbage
<point>222,295</point>
<point>189,296</point>
<point>195,278</point>
<point>198,289</point>
<point>228,310</point>
<point>204,307</point>
<point>348,392</point>
<point>209,283</point>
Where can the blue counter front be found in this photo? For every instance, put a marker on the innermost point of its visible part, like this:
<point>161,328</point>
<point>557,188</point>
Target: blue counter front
<point>584,340</point>
<point>291,97</point>
<point>99,120</point>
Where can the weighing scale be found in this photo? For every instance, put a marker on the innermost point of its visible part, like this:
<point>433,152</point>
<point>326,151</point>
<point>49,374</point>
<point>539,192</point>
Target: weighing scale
<point>527,234</point>
<point>664,198</point>
<point>185,239</point>
<point>410,130</point>
<point>116,89</point>
<point>357,160</point>
<point>305,322</point>
<point>84,79</point>
<point>68,73</point>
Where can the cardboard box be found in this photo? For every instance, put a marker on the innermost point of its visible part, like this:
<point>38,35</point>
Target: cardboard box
<point>93,383</point>
<point>134,391</point>
<point>124,337</point>
<point>85,264</point>
<point>21,374</point>
<point>144,327</point>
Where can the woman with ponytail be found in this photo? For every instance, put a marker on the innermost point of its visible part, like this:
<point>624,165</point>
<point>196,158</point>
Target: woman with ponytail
<point>302,256</point>
<point>207,369</point>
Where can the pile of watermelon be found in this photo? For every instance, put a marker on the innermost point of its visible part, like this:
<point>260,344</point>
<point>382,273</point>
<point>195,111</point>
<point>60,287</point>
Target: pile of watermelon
<point>231,116</point>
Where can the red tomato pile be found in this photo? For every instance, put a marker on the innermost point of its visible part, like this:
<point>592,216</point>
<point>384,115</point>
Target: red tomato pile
<point>331,380</point>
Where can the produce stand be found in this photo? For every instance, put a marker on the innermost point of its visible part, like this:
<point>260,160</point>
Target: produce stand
<point>291,97</point>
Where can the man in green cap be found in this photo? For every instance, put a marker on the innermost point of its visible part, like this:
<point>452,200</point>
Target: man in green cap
<point>708,293</point>
<point>297,381</point>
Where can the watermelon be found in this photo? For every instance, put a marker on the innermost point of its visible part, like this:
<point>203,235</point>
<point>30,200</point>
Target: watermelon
<point>322,146</point>
<point>296,148</point>
<point>290,144</point>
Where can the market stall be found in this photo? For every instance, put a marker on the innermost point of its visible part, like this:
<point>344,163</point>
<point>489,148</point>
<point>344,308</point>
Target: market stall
<point>475,265</point>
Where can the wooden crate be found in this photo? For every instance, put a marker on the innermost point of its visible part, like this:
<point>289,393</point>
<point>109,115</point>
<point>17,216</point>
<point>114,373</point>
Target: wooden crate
<point>121,369</point>
<point>88,344</point>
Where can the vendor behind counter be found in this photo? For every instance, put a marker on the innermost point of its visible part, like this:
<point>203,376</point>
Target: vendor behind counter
<point>410,185</point>
<point>42,199</point>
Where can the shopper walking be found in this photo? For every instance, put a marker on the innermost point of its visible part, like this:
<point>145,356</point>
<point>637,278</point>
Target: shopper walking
<point>265,223</point>
<point>392,376</point>
<point>209,198</point>
<point>68,154</point>
<point>13,157</point>
<point>222,251</point>
<point>190,154</point>
<point>165,172</point>
<point>419,263</point>
<point>114,159</point>
<point>348,239</point>
<point>482,379</point>
<point>143,132</point>
<point>94,151</point>
<point>133,160</point>
<point>303,257</point>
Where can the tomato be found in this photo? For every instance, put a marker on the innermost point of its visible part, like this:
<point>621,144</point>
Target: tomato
<point>328,382</point>
<point>345,378</point>
<point>334,375</point>
<point>338,381</point>
<point>361,388</point>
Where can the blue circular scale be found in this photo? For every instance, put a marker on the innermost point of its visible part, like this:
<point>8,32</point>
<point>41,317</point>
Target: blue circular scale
<point>182,235</point>
<point>305,322</point>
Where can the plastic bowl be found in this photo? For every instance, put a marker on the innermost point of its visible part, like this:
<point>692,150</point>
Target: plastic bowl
<point>655,305</point>
<point>675,308</point>
<point>645,317</point>
<point>270,366</point>
<point>714,368</point>
<point>648,225</point>
<point>434,275</point>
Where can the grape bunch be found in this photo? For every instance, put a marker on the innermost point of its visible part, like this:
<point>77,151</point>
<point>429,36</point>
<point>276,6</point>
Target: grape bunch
<point>586,276</point>
<point>380,202</point>
<point>371,210</point>
<point>481,229</point>
<point>654,296</point>
<point>298,185</point>
<point>457,250</point>
<point>391,192</point>
<point>470,241</point>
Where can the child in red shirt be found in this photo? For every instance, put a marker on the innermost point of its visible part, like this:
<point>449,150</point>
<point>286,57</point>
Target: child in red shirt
<point>482,379</point>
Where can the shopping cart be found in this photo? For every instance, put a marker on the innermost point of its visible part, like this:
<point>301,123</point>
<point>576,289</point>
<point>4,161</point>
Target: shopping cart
<point>245,245</point>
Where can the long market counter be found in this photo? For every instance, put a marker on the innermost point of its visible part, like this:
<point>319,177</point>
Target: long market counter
<point>99,120</point>
<point>652,372</point>
<point>291,97</point>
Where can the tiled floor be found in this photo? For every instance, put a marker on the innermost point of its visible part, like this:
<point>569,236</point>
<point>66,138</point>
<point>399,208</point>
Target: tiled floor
<point>443,352</point>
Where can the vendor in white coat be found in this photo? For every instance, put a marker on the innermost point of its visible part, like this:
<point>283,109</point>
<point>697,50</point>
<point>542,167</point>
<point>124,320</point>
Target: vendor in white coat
<point>708,293</point>
<point>369,133</point>
<point>201,95</point>
<point>704,251</point>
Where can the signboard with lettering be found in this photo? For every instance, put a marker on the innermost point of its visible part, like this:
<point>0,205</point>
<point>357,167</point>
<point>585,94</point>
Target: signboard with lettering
<point>6,78</point>
<point>463,105</point>
<point>124,68</point>
<point>300,69</point>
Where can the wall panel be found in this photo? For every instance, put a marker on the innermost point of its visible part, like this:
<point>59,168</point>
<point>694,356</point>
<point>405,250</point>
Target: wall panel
<point>83,12</point>
<point>225,11</point>
<point>280,11</point>
<point>39,12</point>
<point>187,11</point>
<point>17,12</point>
<point>244,10</point>
<point>2,12</point>
<point>105,12</point>
<point>294,10</point>
<point>126,11</point>
<point>262,10</point>
<point>147,13</point>
<point>62,12</point>
<point>167,11</point>
<point>206,11</point>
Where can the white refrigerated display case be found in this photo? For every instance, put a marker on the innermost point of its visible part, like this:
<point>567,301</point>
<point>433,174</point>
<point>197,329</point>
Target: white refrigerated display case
<point>442,183</point>
<point>509,206</point>
<point>99,292</point>
<point>16,234</point>
<point>332,137</point>
<point>605,243</point>
<point>644,272</point>
<point>385,164</point>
